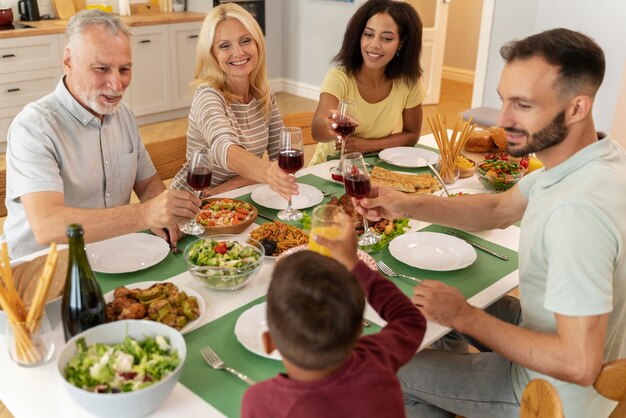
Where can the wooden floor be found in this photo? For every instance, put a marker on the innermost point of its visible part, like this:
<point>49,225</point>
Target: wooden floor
<point>455,97</point>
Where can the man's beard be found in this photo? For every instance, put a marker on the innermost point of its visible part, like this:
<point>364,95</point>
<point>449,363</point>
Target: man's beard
<point>90,98</point>
<point>550,135</point>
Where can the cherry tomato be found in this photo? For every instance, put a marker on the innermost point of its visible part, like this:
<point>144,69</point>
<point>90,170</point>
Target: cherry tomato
<point>524,163</point>
<point>490,156</point>
<point>221,248</point>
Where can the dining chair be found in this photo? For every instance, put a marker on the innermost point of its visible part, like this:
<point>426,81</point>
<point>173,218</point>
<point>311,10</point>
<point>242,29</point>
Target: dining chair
<point>540,400</point>
<point>611,383</point>
<point>303,121</point>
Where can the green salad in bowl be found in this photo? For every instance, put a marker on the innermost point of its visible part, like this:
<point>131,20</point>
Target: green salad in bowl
<point>224,263</point>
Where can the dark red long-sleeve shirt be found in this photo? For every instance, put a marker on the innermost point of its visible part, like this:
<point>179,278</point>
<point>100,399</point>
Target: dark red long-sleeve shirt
<point>366,385</point>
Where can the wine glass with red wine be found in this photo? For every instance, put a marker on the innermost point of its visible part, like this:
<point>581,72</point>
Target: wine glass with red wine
<point>290,159</point>
<point>198,178</point>
<point>346,125</point>
<point>356,180</point>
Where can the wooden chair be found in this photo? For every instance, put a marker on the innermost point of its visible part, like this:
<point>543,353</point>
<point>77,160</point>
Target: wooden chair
<point>168,156</point>
<point>540,400</point>
<point>3,191</point>
<point>303,121</point>
<point>611,383</point>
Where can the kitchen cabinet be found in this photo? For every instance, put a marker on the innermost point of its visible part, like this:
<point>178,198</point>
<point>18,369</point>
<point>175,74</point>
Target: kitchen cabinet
<point>150,90</point>
<point>184,38</point>
<point>20,83</point>
<point>164,57</point>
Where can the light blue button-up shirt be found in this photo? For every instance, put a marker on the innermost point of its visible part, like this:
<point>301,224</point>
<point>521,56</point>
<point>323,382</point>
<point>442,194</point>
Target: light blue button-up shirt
<point>56,145</point>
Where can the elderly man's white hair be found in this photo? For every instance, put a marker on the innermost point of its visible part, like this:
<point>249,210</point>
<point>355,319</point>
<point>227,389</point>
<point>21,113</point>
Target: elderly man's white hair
<point>85,19</point>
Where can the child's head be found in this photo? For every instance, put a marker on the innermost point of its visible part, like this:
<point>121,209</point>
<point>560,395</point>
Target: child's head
<point>314,310</point>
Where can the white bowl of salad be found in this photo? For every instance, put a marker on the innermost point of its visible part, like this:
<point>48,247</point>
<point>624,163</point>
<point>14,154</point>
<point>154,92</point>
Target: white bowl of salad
<point>122,369</point>
<point>224,262</point>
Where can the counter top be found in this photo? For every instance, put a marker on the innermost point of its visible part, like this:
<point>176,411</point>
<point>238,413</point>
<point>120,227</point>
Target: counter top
<point>56,26</point>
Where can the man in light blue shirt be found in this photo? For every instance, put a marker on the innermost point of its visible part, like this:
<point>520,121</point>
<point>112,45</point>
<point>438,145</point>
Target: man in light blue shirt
<point>75,156</point>
<point>571,316</point>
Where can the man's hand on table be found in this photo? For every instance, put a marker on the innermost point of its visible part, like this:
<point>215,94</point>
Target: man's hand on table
<point>440,303</point>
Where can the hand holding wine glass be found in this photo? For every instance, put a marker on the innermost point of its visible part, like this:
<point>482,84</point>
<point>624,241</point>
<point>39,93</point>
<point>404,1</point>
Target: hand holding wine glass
<point>290,160</point>
<point>199,177</point>
<point>356,180</point>
<point>345,124</point>
<point>346,120</point>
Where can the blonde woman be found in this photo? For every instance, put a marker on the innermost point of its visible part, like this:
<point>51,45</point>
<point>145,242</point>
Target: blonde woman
<point>233,110</point>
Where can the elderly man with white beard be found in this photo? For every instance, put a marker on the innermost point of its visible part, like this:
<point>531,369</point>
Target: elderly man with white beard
<point>75,156</point>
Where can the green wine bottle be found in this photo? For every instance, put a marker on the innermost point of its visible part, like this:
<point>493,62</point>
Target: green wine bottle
<point>83,306</point>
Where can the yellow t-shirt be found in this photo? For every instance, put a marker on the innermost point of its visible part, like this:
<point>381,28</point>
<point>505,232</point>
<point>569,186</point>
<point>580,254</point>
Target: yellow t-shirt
<point>376,120</point>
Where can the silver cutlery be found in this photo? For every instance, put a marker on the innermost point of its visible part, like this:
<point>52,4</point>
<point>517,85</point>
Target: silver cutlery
<point>389,272</point>
<point>366,323</point>
<point>479,246</point>
<point>174,248</point>
<point>434,170</point>
<point>260,215</point>
<point>216,362</point>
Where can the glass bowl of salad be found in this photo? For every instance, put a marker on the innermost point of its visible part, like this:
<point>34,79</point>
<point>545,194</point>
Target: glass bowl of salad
<point>224,262</point>
<point>496,173</point>
<point>124,368</point>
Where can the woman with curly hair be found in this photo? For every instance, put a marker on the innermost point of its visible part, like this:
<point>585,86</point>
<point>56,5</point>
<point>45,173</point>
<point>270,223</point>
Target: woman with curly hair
<point>379,69</point>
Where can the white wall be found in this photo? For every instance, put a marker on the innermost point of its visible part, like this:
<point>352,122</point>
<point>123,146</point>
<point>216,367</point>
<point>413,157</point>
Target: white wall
<point>603,20</point>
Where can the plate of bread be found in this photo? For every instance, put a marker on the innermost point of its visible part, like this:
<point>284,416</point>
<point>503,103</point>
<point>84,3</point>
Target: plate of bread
<point>486,140</point>
<point>403,182</point>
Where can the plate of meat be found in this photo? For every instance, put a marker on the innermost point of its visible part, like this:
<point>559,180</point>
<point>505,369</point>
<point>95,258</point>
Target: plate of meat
<point>177,306</point>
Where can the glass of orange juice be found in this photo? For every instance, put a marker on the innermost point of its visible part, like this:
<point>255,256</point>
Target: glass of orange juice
<point>325,222</point>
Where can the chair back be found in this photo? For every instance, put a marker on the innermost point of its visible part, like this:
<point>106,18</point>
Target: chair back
<point>303,121</point>
<point>611,383</point>
<point>540,400</point>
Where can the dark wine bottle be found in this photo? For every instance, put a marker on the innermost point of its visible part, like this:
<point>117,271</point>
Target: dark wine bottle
<point>83,306</point>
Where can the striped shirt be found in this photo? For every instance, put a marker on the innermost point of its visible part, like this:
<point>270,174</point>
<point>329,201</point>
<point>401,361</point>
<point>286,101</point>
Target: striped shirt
<point>215,123</point>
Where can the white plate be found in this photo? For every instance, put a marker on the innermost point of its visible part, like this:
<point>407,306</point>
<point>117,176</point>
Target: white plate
<point>408,156</point>
<point>432,251</point>
<point>126,253</point>
<point>464,190</point>
<point>190,292</point>
<point>248,330</point>
<point>266,197</point>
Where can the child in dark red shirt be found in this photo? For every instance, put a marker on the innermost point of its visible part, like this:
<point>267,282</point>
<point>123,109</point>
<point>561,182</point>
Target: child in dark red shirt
<point>314,313</point>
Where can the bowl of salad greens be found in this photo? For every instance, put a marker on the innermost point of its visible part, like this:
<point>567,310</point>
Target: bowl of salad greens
<point>224,262</point>
<point>122,369</point>
<point>496,173</point>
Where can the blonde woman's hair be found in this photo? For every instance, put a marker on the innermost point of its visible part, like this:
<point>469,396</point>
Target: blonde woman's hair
<point>208,71</point>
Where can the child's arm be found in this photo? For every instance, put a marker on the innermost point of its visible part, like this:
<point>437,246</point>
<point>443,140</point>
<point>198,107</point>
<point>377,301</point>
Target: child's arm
<point>400,339</point>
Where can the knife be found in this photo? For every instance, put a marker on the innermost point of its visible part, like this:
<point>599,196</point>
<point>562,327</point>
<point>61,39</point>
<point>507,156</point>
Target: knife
<point>260,215</point>
<point>479,246</point>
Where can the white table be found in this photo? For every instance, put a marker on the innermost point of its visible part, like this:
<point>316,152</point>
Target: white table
<point>36,392</point>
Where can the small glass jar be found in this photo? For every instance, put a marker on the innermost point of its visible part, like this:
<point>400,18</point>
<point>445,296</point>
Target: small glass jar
<point>448,170</point>
<point>30,343</point>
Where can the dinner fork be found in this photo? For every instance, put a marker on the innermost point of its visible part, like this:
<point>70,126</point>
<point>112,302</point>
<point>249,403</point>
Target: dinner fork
<point>216,362</point>
<point>389,272</point>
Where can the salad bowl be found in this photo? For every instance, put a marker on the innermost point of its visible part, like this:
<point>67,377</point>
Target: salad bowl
<point>224,262</point>
<point>135,403</point>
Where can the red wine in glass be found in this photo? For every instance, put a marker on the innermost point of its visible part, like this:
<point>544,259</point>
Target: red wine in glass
<point>345,128</point>
<point>337,176</point>
<point>199,178</point>
<point>291,160</point>
<point>357,185</point>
